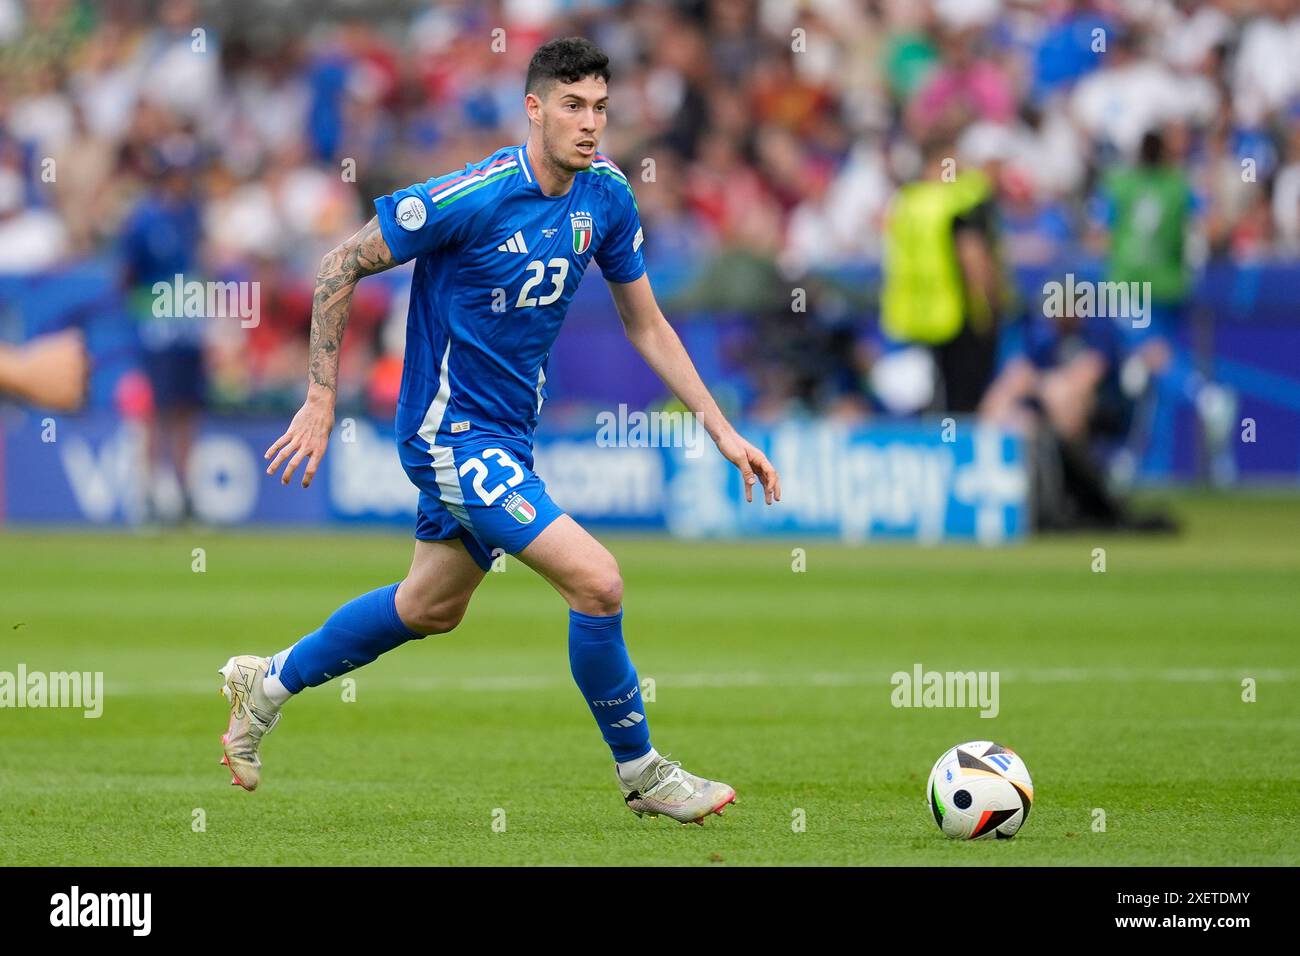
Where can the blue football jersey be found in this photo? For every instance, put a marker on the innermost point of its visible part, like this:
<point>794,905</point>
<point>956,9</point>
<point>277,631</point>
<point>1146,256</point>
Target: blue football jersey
<point>497,262</point>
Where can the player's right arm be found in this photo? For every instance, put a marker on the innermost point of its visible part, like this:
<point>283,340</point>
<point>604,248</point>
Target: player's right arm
<point>49,371</point>
<point>416,220</point>
<point>343,267</point>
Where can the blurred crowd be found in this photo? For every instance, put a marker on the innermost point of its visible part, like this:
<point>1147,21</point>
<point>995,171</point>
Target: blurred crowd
<point>252,136</point>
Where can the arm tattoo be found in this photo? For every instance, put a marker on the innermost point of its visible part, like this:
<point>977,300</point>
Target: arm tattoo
<point>343,266</point>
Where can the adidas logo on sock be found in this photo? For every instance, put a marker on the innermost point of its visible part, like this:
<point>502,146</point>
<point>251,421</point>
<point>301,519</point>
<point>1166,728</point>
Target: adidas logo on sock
<point>631,720</point>
<point>514,244</point>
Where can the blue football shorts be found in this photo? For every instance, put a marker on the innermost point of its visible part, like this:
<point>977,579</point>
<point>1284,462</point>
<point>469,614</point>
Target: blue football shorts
<point>485,493</point>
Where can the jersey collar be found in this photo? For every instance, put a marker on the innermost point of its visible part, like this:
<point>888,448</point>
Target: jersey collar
<point>521,156</point>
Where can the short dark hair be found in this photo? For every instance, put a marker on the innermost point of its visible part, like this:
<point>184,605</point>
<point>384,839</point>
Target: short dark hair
<point>1152,150</point>
<point>565,60</point>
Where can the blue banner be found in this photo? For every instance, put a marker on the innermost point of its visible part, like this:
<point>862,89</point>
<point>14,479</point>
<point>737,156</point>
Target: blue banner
<point>921,482</point>
<point>1242,329</point>
<point>927,483</point>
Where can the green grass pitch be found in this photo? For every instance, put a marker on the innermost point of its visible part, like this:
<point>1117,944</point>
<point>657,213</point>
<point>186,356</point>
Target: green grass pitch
<point>1122,690</point>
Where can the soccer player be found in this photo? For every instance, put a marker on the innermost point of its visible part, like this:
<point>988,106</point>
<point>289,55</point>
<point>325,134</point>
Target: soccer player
<point>500,249</point>
<point>1149,208</point>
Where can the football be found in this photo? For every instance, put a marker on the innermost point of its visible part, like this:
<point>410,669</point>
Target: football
<point>978,790</point>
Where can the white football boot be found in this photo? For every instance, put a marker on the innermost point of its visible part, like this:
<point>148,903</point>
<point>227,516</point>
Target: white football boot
<point>252,716</point>
<point>664,787</point>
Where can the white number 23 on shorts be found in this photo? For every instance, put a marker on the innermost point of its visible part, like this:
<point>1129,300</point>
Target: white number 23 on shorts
<point>476,467</point>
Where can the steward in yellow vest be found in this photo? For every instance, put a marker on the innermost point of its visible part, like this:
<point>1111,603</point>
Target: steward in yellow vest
<point>943,285</point>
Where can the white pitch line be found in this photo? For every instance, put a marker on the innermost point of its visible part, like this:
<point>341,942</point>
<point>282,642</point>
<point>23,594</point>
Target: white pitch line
<point>724,679</point>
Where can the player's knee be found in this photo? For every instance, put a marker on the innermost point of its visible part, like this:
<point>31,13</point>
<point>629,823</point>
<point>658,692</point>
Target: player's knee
<point>600,593</point>
<point>443,618</point>
<point>436,618</point>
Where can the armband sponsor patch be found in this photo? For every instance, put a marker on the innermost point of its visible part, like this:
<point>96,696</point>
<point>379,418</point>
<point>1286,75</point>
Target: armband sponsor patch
<point>411,213</point>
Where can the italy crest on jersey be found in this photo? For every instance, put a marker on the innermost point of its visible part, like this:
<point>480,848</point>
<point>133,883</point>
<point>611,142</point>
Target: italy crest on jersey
<point>581,223</point>
<point>519,508</point>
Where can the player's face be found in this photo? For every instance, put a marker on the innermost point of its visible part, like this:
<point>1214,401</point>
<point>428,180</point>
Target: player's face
<point>573,120</point>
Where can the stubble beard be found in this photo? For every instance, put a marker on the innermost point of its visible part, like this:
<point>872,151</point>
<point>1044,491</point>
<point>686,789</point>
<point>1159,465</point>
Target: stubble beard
<point>557,162</point>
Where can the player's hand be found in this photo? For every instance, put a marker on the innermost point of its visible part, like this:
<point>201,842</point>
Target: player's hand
<point>55,369</point>
<point>307,437</point>
<point>753,465</point>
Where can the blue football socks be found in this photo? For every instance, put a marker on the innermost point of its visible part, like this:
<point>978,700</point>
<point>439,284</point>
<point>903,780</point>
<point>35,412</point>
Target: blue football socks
<point>605,675</point>
<point>354,635</point>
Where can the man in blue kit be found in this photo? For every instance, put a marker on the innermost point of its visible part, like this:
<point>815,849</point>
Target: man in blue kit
<point>500,248</point>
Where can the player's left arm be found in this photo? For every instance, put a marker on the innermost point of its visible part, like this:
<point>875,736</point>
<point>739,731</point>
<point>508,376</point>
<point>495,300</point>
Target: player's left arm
<point>658,343</point>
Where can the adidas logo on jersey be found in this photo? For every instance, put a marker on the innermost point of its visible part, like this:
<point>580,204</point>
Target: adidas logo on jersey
<point>514,244</point>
